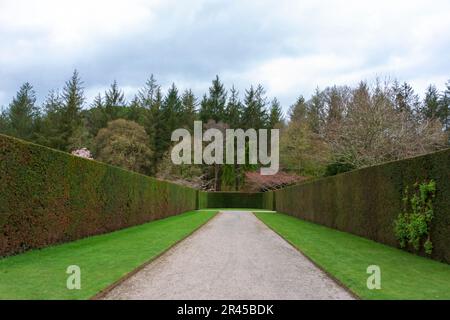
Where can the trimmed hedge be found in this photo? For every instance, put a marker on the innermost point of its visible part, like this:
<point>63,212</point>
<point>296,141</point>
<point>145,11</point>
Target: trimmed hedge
<point>230,200</point>
<point>48,197</point>
<point>366,202</point>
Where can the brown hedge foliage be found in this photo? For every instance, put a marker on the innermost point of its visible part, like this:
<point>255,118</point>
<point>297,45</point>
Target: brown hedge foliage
<point>48,197</point>
<point>366,202</point>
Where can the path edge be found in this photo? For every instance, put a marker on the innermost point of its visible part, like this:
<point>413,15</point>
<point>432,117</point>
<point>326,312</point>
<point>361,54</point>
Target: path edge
<point>332,277</point>
<point>102,293</point>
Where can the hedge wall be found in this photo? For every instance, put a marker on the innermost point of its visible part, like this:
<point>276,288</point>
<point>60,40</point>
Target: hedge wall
<point>230,200</point>
<point>366,202</point>
<point>47,197</point>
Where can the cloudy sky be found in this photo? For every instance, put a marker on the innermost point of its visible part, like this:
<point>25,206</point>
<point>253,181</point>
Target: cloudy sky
<point>288,46</point>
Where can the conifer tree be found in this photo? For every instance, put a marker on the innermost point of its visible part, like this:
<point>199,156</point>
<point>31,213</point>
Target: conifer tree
<point>214,106</point>
<point>255,113</point>
<point>276,115</point>
<point>188,106</point>
<point>73,99</point>
<point>233,110</point>
<point>23,113</point>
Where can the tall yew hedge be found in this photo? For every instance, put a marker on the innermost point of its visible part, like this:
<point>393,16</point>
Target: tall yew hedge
<point>366,202</point>
<point>48,197</point>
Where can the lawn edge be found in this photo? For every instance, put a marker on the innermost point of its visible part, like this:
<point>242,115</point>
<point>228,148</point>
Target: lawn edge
<point>102,293</point>
<point>331,276</point>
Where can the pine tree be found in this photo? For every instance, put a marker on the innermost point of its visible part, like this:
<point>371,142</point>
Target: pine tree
<point>298,112</point>
<point>316,111</point>
<point>430,107</point>
<point>255,113</point>
<point>233,110</point>
<point>276,115</point>
<point>147,95</point>
<point>23,113</point>
<point>73,99</point>
<point>444,108</point>
<point>114,102</point>
<point>188,109</point>
<point>214,107</point>
<point>51,132</point>
<point>405,98</point>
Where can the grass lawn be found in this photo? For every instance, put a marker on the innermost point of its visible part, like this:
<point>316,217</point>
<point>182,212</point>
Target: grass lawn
<point>346,257</point>
<point>103,259</point>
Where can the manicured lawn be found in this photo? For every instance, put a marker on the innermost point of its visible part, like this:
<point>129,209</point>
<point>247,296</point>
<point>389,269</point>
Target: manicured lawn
<point>346,257</point>
<point>103,259</point>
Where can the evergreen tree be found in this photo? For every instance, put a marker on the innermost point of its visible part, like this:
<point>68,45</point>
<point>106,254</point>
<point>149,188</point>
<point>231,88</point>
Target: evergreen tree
<point>73,99</point>
<point>316,111</point>
<point>51,132</point>
<point>405,98</point>
<point>23,113</point>
<point>276,115</point>
<point>114,102</point>
<point>298,111</point>
<point>214,107</point>
<point>255,113</point>
<point>188,109</point>
<point>233,111</point>
<point>444,108</point>
<point>147,95</point>
<point>430,107</point>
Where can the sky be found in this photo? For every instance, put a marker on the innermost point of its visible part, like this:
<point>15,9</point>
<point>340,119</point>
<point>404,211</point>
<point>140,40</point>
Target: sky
<point>290,47</point>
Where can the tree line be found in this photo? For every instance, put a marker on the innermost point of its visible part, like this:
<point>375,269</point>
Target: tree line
<point>337,129</point>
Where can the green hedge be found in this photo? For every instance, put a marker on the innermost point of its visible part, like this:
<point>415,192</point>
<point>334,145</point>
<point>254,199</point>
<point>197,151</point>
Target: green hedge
<point>366,202</point>
<point>230,200</point>
<point>48,197</point>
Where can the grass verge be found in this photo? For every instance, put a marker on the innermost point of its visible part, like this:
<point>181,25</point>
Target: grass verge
<point>346,257</point>
<point>103,259</point>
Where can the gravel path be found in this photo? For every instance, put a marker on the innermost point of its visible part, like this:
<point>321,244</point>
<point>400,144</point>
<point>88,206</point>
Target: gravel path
<point>234,256</point>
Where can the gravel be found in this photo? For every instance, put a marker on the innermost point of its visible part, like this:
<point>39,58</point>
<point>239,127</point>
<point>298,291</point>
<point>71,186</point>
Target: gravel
<point>234,256</point>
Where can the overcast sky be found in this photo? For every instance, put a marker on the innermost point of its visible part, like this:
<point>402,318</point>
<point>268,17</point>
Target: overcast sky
<point>288,46</point>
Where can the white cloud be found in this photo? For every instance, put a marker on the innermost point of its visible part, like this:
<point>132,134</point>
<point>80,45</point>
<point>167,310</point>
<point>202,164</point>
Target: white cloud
<point>289,46</point>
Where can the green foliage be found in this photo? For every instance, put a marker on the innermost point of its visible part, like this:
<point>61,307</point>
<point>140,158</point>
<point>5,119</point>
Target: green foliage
<point>48,197</point>
<point>23,113</point>
<point>125,144</point>
<point>413,224</point>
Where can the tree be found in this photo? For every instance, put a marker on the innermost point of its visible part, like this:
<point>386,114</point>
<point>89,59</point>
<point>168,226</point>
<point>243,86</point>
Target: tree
<point>405,98</point>
<point>73,99</point>
<point>51,133</point>
<point>188,109</point>
<point>255,113</point>
<point>316,112</point>
<point>124,143</point>
<point>376,130</point>
<point>233,110</point>
<point>114,102</point>
<point>22,113</point>
<point>214,106</point>
<point>147,94</point>
<point>444,108</point>
<point>275,114</point>
<point>298,112</point>
<point>430,107</point>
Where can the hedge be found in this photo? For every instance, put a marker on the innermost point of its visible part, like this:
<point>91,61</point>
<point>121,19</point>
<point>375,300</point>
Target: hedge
<point>366,202</point>
<point>49,197</point>
<point>230,200</point>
